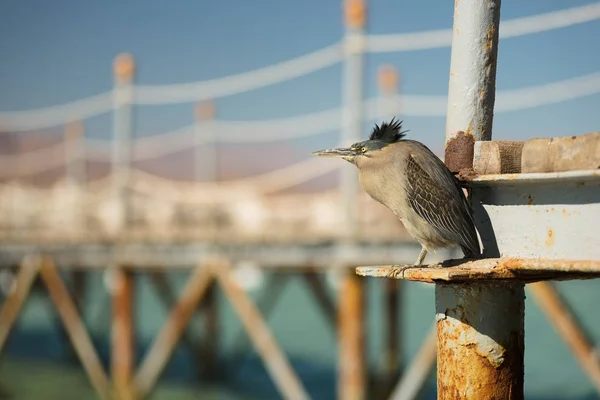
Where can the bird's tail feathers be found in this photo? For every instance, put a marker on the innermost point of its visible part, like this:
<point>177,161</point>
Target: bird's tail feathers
<point>470,253</point>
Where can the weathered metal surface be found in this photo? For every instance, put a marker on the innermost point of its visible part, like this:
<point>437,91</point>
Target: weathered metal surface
<point>163,345</point>
<point>480,332</point>
<point>472,84</point>
<point>277,365</point>
<point>413,379</point>
<point>556,310</point>
<point>490,269</point>
<point>19,290</point>
<point>459,152</point>
<point>122,333</point>
<point>352,383</point>
<point>75,328</point>
<point>538,215</point>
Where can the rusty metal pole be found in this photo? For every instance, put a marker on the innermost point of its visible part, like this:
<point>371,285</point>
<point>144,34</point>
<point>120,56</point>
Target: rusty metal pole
<point>472,83</point>
<point>480,326</point>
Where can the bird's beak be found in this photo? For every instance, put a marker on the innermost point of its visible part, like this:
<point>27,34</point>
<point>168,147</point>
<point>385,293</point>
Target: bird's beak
<point>345,153</point>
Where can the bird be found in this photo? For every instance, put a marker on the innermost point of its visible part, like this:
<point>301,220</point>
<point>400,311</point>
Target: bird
<point>408,178</point>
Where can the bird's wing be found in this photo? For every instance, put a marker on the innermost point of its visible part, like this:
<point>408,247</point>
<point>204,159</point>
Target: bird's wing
<point>435,195</point>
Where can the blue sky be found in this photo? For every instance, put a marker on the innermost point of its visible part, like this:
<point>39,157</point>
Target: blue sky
<point>55,52</point>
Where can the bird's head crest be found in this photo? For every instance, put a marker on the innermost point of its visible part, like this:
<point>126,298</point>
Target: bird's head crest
<point>388,132</point>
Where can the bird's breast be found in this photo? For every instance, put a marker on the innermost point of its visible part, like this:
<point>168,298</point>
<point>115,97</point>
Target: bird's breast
<point>386,189</point>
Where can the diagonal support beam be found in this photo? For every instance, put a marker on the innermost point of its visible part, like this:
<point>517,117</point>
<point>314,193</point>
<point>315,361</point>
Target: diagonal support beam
<point>548,298</point>
<point>14,301</point>
<point>266,302</point>
<point>164,344</point>
<point>205,352</point>
<point>75,328</point>
<point>169,299</point>
<point>278,366</point>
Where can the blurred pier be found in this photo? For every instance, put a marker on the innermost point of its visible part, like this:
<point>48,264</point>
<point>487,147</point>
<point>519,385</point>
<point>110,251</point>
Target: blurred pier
<point>73,205</point>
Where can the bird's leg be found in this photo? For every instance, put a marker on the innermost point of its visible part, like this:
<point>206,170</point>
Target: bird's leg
<point>396,271</point>
<point>422,256</point>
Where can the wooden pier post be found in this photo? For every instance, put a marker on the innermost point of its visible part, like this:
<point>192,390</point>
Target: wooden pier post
<point>122,338</point>
<point>352,384</point>
<point>352,373</point>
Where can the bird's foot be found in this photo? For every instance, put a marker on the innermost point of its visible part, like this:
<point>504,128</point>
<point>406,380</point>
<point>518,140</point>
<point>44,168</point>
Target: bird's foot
<point>397,271</point>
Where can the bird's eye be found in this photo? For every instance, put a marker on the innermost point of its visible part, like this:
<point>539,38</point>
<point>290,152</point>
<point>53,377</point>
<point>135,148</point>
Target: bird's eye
<point>363,149</point>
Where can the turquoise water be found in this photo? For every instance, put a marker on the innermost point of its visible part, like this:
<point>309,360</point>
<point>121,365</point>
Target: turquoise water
<point>305,334</point>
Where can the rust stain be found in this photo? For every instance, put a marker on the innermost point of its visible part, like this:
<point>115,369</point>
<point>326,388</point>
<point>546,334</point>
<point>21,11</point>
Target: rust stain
<point>459,151</point>
<point>565,213</point>
<point>473,362</point>
<point>506,268</point>
<point>550,238</point>
<point>489,43</point>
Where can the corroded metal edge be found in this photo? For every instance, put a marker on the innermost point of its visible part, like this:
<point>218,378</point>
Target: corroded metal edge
<point>490,269</point>
<point>534,177</point>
